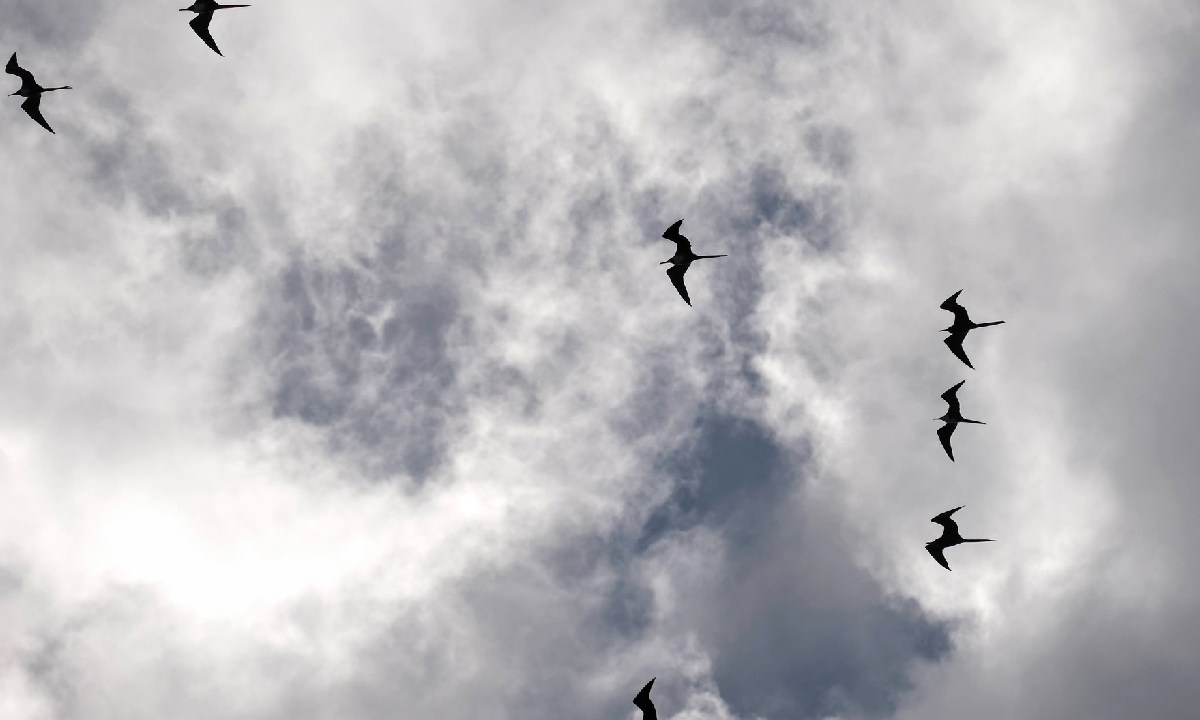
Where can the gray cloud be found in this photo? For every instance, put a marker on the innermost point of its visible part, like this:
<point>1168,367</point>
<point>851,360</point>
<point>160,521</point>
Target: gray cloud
<point>347,384</point>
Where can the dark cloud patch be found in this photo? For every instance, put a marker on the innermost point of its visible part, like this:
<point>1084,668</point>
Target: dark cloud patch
<point>365,357</point>
<point>769,202</point>
<point>124,162</point>
<point>795,629</point>
<point>831,147</point>
<point>53,26</point>
<point>754,28</point>
<point>227,246</point>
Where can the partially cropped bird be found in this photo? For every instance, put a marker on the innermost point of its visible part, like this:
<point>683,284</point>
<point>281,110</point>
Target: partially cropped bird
<point>962,325</point>
<point>952,418</point>
<point>643,702</point>
<point>31,91</point>
<point>950,537</point>
<point>204,10</point>
<point>682,260</point>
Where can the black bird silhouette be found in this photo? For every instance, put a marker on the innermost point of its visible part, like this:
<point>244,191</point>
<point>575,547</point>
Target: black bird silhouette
<point>952,418</point>
<point>962,325</point>
<point>950,537</point>
<point>682,260</point>
<point>31,91</point>
<point>204,10</point>
<point>643,702</point>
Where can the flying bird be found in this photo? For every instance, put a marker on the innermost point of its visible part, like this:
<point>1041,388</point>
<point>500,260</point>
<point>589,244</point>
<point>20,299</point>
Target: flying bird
<point>952,418</point>
<point>950,537</point>
<point>962,325</point>
<point>31,91</point>
<point>204,10</point>
<point>643,700</point>
<point>682,260</point>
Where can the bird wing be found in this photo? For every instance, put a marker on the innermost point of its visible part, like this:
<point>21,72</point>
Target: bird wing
<point>32,107</point>
<point>945,519</point>
<point>676,274</point>
<point>954,342</point>
<point>672,233</point>
<point>642,700</point>
<point>951,397</point>
<point>944,433</point>
<point>12,68</point>
<point>960,312</point>
<point>951,302</point>
<point>200,25</point>
<point>938,552</point>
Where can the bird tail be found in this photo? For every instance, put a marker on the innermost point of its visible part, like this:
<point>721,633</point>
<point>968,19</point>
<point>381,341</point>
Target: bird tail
<point>64,87</point>
<point>229,6</point>
<point>998,322</point>
<point>979,540</point>
<point>974,422</point>
<point>701,257</point>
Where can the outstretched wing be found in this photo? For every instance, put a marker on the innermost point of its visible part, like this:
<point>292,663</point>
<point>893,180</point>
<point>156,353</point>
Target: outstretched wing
<point>960,312</point>
<point>944,433</point>
<point>945,520</point>
<point>12,68</point>
<point>672,233</point>
<point>951,397</point>
<point>954,342</point>
<point>676,274</point>
<point>938,552</point>
<point>200,25</point>
<point>32,107</point>
<point>643,702</point>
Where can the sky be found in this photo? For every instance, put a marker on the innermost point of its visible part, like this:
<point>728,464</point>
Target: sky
<point>340,378</point>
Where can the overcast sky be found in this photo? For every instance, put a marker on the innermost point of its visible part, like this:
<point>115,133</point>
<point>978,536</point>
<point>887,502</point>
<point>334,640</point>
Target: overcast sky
<point>339,378</point>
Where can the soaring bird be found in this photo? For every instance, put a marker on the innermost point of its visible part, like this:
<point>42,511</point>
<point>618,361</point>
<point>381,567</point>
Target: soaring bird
<point>682,260</point>
<point>950,537</point>
<point>31,91</point>
<point>952,418</point>
<point>962,325</point>
<point>643,702</point>
<point>204,10</point>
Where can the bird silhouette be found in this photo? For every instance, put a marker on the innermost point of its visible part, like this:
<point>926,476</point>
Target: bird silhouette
<point>31,91</point>
<point>962,325</point>
<point>952,418</point>
<point>950,537</point>
<point>682,260</point>
<point>643,702</point>
<point>204,10</point>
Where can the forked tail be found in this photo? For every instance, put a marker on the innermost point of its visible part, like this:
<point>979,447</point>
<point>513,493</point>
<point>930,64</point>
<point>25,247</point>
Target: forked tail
<point>701,257</point>
<point>979,540</point>
<point>998,322</point>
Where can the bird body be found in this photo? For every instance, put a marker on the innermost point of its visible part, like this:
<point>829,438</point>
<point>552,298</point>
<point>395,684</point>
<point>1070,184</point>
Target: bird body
<point>682,259</point>
<point>961,326</point>
<point>949,538</point>
<point>31,91</point>
<point>952,418</point>
<point>204,10</point>
<point>642,700</point>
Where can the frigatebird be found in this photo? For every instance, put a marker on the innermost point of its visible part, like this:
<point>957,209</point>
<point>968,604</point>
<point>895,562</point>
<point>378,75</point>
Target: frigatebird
<point>682,260</point>
<point>31,91</point>
<point>204,10</point>
<point>952,418</point>
<point>643,702</point>
<point>950,537</point>
<point>962,325</point>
